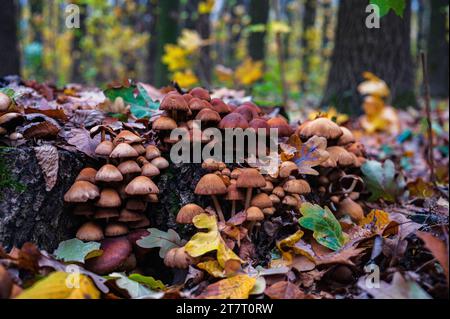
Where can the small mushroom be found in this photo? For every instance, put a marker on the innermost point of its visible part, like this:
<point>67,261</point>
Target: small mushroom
<point>106,213</point>
<point>297,186</point>
<point>87,174</point>
<point>275,199</point>
<point>249,179</point>
<point>81,192</point>
<point>233,120</point>
<point>128,137</point>
<point>200,93</point>
<point>348,207</point>
<point>115,229</point>
<point>174,103</point>
<point>115,253</point>
<point>5,102</point>
<point>123,150</point>
<point>346,137</point>
<point>287,169</point>
<point>141,185</point>
<point>129,167</point>
<point>164,123</point>
<point>136,204</point>
<point>188,212</point>
<point>268,187</point>
<point>160,162</point>
<point>109,198</point>
<point>321,127</point>
<point>178,258</point>
<point>108,173</point>
<point>152,152</point>
<point>150,170</point>
<point>254,214</point>
<point>279,191</point>
<point>104,148</point>
<point>279,123</point>
<point>233,195</point>
<point>211,184</point>
<point>90,232</point>
<point>261,200</point>
<point>127,215</point>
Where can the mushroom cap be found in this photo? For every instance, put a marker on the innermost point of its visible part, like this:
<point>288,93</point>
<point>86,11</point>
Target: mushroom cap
<point>283,127</point>
<point>196,104</point>
<point>247,112</point>
<point>5,102</point>
<point>174,101</point>
<point>108,173</point>
<point>151,152</point>
<point>269,210</point>
<point>104,148</point>
<point>188,212</point>
<point>208,115</point>
<point>126,136</point>
<point>123,150</point>
<point>115,253</point>
<point>150,170</point>
<point>288,168</point>
<point>297,186</point>
<point>83,210</point>
<point>200,93</point>
<point>275,199</point>
<point>129,167</point>
<point>338,156</point>
<point>235,173</point>
<point>254,214</point>
<point>220,106</point>
<point>178,258</point>
<point>268,187</point>
<point>164,123</point>
<point>139,148</point>
<point>210,164</point>
<point>254,106</point>
<point>109,198</point>
<point>187,97</point>
<point>106,213</point>
<point>210,184</point>
<point>233,120</point>
<point>81,192</point>
<point>141,185</point>
<point>261,200</point>
<point>152,198</point>
<point>279,191</point>
<point>144,222</point>
<point>233,192</point>
<point>349,207</point>
<point>90,231</point>
<point>11,120</point>
<point>129,216</point>
<point>258,124</point>
<point>136,204</point>
<point>321,127</point>
<point>87,174</point>
<point>250,178</point>
<point>290,200</point>
<point>160,162</point>
<point>346,137</point>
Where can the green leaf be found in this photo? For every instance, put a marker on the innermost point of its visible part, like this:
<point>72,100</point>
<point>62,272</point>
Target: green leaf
<point>381,180</point>
<point>386,5</point>
<point>135,289</point>
<point>141,105</point>
<point>148,281</point>
<point>164,240</point>
<point>77,251</point>
<point>326,228</point>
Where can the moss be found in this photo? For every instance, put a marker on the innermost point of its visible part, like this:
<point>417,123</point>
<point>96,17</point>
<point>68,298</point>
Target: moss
<point>6,180</point>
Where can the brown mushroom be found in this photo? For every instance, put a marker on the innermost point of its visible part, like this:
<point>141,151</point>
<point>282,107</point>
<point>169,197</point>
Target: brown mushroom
<point>346,137</point>
<point>151,152</point>
<point>160,162</point>
<point>108,173</point>
<point>321,127</point>
<point>104,148</point>
<point>233,120</point>
<point>123,150</point>
<point>141,185</point>
<point>81,192</point>
<point>211,184</point>
<point>90,232</point>
<point>128,137</point>
<point>279,191</point>
<point>129,167</point>
<point>150,170</point>
<point>87,174</point>
<point>287,169</point>
<point>188,212</point>
<point>115,253</point>
<point>279,123</point>
<point>348,207</point>
<point>115,229</point>
<point>297,186</point>
<point>178,258</point>
<point>109,198</point>
<point>249,179</point>
<point>233,195</point>
<point>164,123</point>
<point>261,200</point>
<point>106,213</point>
<point>174,103</point>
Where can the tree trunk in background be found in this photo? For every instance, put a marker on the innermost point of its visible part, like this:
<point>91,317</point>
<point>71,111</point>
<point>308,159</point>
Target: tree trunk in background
<point>152,43</point>
<point>166,32</point>
<point>259,14</point>
<point>438,49</point>
<point>205,66</point>
<point>422,24</point>
<point>77,51</point>
<point>309,18</point>
<point>9,43</point>
<point>327,14</point>
<point>234,34</point>
<point>385,51</point>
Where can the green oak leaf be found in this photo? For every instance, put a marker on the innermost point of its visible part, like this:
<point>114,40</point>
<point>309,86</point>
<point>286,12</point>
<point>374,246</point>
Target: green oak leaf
<point>141,105</point>
<point>148,281</point>
<point>75,250</point>
<point>382,182</point>
<point>134,288</point>
<point>386,5</point>
<point>164,240</point>
<point>326,228</point>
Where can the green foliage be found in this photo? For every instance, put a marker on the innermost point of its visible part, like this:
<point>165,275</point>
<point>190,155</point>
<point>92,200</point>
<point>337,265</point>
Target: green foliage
<point>134,288</point>
<point>382,181</point>
<point>6,181</point>
<point>386,5</point>
<point>76,250</point>
<point>326,228</point>
<point>164,240</point>
<point>148,281</point>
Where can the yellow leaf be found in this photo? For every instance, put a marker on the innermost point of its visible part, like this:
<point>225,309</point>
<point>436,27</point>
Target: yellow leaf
<point>190,40</point>
<point>279,27</point>
<point>204,242</point>
<point>205,7</point>
<point>378,221</point>
<point>249,72</point>
<point>175,57</point>
<point>237,287</point>
<point>185,79</point>
<point>373,86</point>
<point>213,268</point>
<point>287,243</point>
<point>61,285</point>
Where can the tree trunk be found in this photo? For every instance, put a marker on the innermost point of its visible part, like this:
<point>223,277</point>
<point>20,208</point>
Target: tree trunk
<point>9,43</point>
<point>438,49</point>
<point>327,15</point>
<point>205,64</point>
<point>152,43</point>
<point>77,51</point>
<point>259,14</point>
<point>309,18</point>
<point>384,51</point>
<point>166,32</point>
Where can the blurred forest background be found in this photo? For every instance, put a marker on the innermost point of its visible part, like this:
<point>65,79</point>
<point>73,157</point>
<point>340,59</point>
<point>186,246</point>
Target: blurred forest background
<point>301,52</point>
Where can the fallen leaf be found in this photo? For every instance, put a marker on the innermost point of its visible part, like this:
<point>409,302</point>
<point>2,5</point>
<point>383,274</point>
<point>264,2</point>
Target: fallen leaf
<point>421,189</point>
<point>41,130</point>
<point>76,250</point>
<point>148,281</point>
<point>61,285</point>
<point>48,159</point>
<point>134,288</point>
<point>164,240</point>
<point>284,290</point>
<point>377,221</point>
<point>57,114</point>
<point>81,139</point>
<point>213,268</point>
<point>326,228</point>
<point>236,287</point>
<point>438,248</point>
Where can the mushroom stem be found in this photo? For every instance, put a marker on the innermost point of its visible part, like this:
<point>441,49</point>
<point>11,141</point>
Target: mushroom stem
<point>233,208</point>
<point>103,135</point>
<point>250,228</point>
<point>248,197</point>
<point>218,209</point>
<point>174,115</point>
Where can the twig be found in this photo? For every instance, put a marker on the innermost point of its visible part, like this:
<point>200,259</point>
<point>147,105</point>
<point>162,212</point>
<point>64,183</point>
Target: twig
<point>426,88</point>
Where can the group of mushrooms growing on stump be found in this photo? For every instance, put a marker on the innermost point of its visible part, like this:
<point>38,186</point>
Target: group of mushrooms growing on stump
<point>115,197</point>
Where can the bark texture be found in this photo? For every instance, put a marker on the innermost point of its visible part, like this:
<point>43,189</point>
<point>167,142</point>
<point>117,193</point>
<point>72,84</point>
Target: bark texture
<point>385,51</point>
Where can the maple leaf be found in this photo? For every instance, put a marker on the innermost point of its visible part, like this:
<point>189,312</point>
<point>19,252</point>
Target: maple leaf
<point>305,155</point>
<point>236,287</point>
<point>164,240</point>
<point>76,250</point>
<point>326,228</point>
<point>57,286</point>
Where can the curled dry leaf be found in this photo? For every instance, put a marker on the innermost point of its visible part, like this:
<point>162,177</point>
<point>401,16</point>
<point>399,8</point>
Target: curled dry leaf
<point>48,159</point>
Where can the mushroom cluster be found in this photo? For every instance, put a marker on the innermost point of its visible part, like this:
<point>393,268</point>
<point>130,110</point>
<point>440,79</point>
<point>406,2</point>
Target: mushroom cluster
<point>115,197</point>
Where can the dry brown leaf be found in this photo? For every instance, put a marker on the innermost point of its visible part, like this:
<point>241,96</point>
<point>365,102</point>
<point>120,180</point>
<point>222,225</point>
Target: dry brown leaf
<point>42,130</point>
<point>437,248</point>
<point>284,290</point>
<point>54,114</point>
<point>48,159</point>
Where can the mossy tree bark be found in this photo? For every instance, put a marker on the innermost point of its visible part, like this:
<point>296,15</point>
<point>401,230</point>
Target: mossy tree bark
<point>384,51</point>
